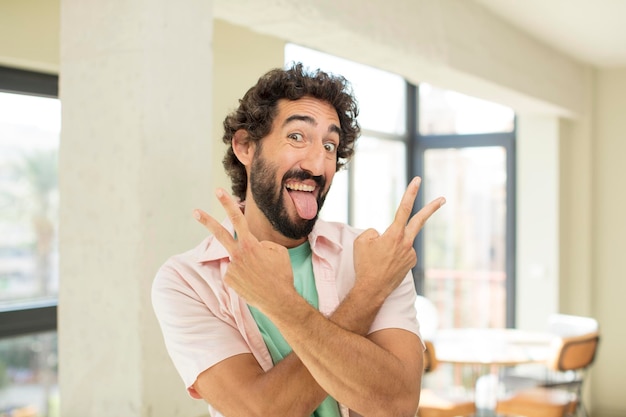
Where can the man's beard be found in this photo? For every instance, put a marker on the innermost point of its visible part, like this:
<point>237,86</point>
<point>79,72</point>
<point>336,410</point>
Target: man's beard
<point>269,197</point>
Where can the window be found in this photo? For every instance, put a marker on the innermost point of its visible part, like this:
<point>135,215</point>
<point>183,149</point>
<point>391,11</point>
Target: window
<point>465,151</point>
<point>30,123</point>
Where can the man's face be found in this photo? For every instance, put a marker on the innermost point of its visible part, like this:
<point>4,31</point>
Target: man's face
<point>294,165</point>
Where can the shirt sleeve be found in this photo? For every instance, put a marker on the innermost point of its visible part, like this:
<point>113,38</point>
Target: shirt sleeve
<point>195,337</point>
<point>398,311</point>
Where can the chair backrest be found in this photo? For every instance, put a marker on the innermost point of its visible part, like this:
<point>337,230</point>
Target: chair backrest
<point>575,352</point>
<point>430,357</point>
<point>565,325</point>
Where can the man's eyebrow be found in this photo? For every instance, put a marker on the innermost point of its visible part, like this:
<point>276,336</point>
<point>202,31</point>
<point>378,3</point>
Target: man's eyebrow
<point>299,117</point>
<point>335,129</point>
<point>308,119</point>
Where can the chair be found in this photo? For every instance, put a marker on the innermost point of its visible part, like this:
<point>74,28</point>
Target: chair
<point>564,325</point>
<point>537,402</point>
<point>559,325</point>
<point>434,403</point>
<point>576,355</point>
<point>557,397</point>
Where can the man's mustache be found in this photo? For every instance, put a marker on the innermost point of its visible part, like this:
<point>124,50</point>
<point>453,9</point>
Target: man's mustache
<point>300,175</point>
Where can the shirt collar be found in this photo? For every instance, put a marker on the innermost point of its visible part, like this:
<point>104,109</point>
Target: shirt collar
<point>323,237</point>
<point>211,249</point>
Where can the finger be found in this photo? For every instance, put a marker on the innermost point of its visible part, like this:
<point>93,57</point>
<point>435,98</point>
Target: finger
<point>406,205</point>
<point>234,213</point>
<point>219,231</point>
<point>419,219</point>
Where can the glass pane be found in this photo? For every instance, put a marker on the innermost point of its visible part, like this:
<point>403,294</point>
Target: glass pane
<point>29,376</point>
<point>335,207</point>
<point>464,243</point>
<point>29,141</point>
<point>380,94</point>
<point>448,112</point>
<point>379,181</point>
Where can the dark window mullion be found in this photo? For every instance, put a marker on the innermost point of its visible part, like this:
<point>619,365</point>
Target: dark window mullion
<point>511,230</point>
<point>28,320</point>
<point>415,166</point>
<point>466,140</point>
<point>13,80</point>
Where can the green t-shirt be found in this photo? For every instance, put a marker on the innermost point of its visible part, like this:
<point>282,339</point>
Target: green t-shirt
<point>304,281</point>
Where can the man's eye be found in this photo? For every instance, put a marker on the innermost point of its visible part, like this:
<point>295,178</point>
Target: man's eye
<point>330,147</point>
<point>296,136</point>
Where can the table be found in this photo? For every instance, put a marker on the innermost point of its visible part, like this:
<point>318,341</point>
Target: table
<point>493,347</point>
<point>487,351</point>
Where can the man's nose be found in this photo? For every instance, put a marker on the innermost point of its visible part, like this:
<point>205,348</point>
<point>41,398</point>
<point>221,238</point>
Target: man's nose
<point>315,159</point>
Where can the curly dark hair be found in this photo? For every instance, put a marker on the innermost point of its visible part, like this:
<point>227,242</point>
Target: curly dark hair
<point>258,107</point>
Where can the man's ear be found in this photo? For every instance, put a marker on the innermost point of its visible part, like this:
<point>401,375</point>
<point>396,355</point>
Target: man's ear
<point>243,147</point>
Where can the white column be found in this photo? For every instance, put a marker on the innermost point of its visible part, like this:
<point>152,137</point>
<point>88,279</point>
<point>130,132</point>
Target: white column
<point>135,86</point>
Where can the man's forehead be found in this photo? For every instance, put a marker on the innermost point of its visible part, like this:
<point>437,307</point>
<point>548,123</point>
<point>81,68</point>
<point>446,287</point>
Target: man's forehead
<point>306,106</point>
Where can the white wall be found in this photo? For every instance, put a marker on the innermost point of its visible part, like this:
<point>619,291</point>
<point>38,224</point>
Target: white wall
<point>29,34</point>
<point>453,43</point>
<point>241,56</point>
<point>135,86</point>
<point>609,236</point>
<point>537,199</point>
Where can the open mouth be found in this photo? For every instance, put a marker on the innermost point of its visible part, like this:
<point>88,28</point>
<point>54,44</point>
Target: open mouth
<point>304,198</point>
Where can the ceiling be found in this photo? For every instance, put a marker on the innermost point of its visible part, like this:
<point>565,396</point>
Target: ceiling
<point>590,31</point>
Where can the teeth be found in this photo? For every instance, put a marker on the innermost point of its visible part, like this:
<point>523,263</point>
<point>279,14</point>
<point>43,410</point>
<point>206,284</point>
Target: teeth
<point>300,187</point>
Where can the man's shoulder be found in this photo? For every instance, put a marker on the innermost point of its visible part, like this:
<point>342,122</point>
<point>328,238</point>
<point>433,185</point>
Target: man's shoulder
<point>191,259</point>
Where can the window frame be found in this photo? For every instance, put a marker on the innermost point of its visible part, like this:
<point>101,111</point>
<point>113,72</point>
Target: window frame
<point>36,316</point>
<point>419,143</point>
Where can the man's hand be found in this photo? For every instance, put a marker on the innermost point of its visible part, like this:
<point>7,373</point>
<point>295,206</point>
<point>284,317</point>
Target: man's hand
<point>260,272</point>
<point>382,261</point>
<point>386,378</point>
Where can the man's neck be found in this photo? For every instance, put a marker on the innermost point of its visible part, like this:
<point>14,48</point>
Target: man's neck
<point>262,229</point>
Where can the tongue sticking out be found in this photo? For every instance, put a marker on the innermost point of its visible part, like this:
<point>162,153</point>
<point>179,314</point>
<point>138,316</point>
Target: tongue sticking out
<point>305,203</point>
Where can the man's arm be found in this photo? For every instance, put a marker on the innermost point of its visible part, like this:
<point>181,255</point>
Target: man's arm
<point>238,386</point>
<point>375,376</point>
<point>387,366</point>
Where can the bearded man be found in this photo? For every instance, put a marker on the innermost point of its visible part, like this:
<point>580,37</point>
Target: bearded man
<point>278,313</point>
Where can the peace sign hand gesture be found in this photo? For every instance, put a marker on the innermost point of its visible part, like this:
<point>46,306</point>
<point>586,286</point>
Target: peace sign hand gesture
<point>382,261</point>
<point>259,271</point>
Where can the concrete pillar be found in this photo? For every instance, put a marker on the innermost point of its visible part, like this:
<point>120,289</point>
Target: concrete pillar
<point>135,86</point>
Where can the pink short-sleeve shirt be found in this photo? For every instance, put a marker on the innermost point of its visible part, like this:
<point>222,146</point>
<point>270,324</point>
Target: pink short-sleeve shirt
<point>204,321</point>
